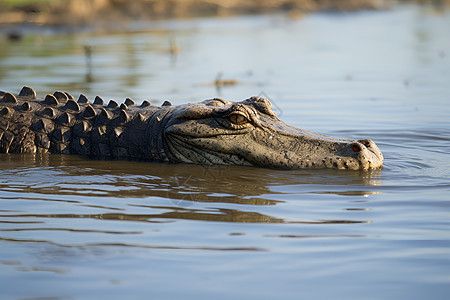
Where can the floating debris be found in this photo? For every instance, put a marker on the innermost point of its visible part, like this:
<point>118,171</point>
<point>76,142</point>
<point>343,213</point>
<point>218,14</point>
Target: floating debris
<point>219,82</point>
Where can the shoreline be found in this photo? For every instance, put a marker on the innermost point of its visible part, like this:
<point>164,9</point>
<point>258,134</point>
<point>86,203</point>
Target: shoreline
<point>101,14</point>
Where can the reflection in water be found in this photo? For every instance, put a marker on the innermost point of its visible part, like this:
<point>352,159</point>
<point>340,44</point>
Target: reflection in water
<point>29,269</point>
<point>155,193</point>
<point>75,175</point>
<point>221,215</point>
<point>72,175</point>
<point>88,56</point>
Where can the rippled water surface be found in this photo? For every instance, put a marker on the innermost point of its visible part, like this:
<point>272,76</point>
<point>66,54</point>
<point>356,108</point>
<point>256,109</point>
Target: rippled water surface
<point>72,228</point>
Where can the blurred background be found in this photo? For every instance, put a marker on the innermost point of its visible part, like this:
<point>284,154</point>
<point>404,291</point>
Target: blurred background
<point>93,12</point>
<point>74,228</point>
<point>194,49</point>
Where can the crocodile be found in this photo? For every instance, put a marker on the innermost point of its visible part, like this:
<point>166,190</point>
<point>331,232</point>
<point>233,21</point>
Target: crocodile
<point>211,132</point>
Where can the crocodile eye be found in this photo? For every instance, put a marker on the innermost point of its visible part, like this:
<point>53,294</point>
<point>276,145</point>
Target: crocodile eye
<point>238,119</point>
<point>356,147</point>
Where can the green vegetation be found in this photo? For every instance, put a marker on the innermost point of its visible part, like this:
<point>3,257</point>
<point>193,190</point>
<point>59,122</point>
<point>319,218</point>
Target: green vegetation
<point>21,3</point>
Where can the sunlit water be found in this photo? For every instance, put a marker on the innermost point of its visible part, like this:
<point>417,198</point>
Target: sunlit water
<point>72,228</point>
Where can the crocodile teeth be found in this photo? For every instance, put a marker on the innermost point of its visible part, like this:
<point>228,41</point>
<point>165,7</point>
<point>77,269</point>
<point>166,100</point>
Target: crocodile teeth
<point>50,100</point>
<point>61,96</point>
<point>98,101</point>
<point>83,99</point>
<point>9,98</point>
<point>28,92</point>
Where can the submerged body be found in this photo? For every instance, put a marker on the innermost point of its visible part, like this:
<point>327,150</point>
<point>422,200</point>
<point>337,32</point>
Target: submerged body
<point>210,132</point>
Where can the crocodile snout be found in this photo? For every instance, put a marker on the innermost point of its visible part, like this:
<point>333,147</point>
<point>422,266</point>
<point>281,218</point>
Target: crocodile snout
<point>367,154</point>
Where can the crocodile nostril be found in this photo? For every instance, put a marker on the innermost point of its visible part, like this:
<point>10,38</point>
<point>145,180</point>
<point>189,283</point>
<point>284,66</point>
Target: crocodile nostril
<point>356,147</point>
<point>365,142</point>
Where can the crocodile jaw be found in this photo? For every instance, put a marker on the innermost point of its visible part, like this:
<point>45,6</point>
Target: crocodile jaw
<point>270,147</point>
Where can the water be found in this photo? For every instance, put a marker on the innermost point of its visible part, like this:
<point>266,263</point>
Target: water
<point>72,228</point>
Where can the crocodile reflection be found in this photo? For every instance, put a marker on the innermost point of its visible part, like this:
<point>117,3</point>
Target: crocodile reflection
<point>148,185</point>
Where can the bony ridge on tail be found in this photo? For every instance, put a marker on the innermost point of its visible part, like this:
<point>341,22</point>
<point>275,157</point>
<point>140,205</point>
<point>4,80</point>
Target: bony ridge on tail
<point>214,131</point>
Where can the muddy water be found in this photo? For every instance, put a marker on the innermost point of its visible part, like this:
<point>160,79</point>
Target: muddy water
<point>72,228</point>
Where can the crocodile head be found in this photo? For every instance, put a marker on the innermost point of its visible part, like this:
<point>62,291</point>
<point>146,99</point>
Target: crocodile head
<point>249,133</point>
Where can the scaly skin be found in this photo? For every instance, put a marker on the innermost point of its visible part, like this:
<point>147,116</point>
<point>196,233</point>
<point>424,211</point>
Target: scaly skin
<point>210,132</point>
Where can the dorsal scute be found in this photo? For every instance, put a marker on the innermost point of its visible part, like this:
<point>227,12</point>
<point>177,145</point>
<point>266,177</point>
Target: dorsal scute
<point>50,100</point>
<point>65,119</point>
<point>6,111</point>
<point>72,105</point>
<point>129,102</point>
<point>43,125</point>
<point>145,103</point>
<point>25,106</point>
<point>98,101</point>
<point>103,117</point>
<point>83,99</point>
<point>82,128</point>
<point>89,112</point>
<point>61,96</point>
<point>140,117</point>
<point>112,104</point>
<point>48,112</point>
<point>69,96</point>
<point>9,98</point>
<point>123,117</point>
<point>27,92</point>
